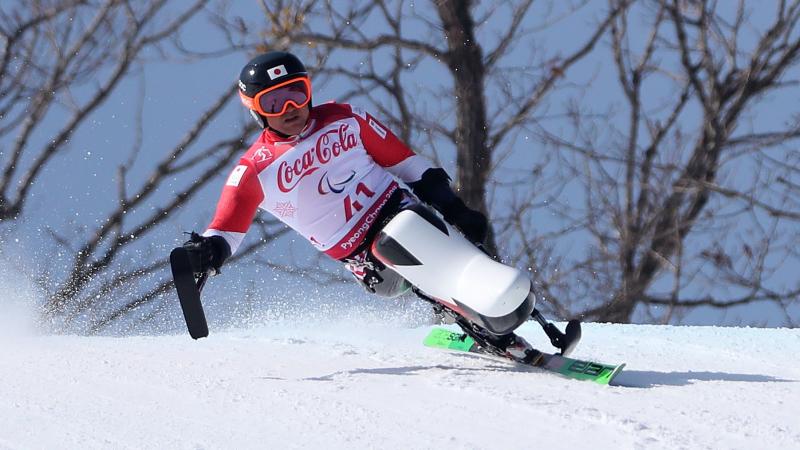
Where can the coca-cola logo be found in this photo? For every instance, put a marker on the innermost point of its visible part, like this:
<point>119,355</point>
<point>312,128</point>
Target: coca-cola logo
<point>329,145</point>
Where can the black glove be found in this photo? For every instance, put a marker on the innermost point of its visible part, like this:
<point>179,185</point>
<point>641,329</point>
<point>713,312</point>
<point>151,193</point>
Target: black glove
<point>472,223</point>
<point>434,189</point>
<point>207,252</point>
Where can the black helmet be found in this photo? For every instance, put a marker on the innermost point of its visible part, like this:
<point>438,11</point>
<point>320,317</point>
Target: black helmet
<point>265,71</point>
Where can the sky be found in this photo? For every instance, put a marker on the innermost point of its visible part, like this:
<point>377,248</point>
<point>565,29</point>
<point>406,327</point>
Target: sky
<point>172,94</point>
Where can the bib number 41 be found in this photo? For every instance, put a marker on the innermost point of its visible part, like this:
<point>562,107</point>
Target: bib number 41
<point>351,203</point>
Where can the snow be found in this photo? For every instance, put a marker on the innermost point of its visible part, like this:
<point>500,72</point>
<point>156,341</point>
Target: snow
<point>347,384</point>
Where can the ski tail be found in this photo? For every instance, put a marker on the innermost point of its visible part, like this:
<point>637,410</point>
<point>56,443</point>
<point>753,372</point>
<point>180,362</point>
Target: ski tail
<point>446,339</point>
<point>568,367</point>
<point>188,289</point>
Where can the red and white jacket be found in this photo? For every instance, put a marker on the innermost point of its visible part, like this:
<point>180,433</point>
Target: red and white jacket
<point>328,183</point>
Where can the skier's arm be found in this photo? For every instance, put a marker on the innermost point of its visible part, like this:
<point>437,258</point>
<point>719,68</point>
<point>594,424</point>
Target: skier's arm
<point>388,150</point>
<point>430,184</point>
<point>236,209</point>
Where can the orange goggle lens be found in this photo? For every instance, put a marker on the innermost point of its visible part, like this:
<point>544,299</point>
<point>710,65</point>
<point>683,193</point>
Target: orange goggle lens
<point>275,100</point>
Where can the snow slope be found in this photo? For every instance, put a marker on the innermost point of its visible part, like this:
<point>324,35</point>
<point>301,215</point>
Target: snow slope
<point>350,385</point>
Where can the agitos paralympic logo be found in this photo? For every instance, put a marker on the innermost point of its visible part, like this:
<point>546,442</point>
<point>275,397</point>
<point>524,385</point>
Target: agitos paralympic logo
<point>329,145</point>
<point>325,186</point>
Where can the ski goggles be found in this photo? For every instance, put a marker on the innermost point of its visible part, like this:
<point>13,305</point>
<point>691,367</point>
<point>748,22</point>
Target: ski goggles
<point>275,100</point>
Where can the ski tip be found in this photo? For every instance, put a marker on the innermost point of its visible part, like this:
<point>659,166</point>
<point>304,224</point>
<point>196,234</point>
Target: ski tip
<point>614,374</point>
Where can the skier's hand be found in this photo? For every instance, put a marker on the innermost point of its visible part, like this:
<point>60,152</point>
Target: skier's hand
<point>473,224</point>
<point>207,253</point>
<point>433,188</point>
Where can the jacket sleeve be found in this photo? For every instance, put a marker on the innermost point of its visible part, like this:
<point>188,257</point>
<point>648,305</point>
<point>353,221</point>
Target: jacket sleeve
<point>238,204</point>
<point>388,150</point>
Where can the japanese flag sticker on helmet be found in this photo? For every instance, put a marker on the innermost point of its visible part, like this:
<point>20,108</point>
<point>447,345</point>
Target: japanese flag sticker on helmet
<point>277,72</point>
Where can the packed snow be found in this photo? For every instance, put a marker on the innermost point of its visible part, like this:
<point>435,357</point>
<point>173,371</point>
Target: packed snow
<point>349,384</point>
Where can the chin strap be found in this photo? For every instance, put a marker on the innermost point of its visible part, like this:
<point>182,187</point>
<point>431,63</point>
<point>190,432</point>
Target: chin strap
<point>260,120</point>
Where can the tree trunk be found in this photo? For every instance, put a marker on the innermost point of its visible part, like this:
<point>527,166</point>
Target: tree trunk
<point>465,60</point>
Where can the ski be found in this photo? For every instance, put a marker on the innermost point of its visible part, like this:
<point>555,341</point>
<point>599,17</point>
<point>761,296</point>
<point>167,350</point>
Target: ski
<point>569,367</point>
<point>188,289</point>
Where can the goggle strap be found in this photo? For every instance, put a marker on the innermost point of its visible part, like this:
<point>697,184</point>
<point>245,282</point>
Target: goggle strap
<point>246,101</point>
